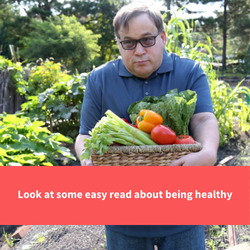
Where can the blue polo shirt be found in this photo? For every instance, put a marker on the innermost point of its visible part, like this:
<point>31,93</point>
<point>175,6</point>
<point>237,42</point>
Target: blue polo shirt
<point>112,86</point>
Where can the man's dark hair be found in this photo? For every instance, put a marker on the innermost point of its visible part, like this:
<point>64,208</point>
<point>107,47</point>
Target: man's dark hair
<point>132,10</point>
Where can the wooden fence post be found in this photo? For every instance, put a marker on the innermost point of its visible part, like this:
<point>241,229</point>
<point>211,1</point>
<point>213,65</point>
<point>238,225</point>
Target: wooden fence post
<point>10,100</point>
<point>231,236</point>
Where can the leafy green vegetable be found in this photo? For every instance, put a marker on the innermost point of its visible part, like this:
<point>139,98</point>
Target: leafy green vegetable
<point>112,129</point>
<point>175,108</point>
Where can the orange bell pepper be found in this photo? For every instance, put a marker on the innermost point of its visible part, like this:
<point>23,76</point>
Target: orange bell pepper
<point>147,119</point>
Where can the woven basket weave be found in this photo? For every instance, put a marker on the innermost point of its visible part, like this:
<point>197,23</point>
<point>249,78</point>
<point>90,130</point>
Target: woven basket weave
<point>157,155</point>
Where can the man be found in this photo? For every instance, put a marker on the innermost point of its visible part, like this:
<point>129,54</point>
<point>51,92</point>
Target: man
<point>147,69</point>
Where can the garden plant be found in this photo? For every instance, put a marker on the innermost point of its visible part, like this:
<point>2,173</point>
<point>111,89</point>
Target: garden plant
<point>27,143</point>
<point>56,99</point>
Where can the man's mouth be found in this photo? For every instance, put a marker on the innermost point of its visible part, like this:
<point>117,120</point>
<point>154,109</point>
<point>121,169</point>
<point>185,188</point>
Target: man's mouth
<point>141,62</point>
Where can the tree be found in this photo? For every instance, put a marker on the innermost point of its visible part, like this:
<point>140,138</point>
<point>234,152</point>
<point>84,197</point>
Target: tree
<point>94,15</point>
<point>168,4</point>
<point>40,8</point>
<point>7,13</point>
<point>98,17</point>
<point>62,38</point>
<point>239,32</point>
<point>234,11</point>
<point>234,22</point>
<point>180,4</point>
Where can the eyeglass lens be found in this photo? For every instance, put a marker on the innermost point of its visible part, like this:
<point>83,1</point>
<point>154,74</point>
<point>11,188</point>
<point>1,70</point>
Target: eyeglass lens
<point>145,42</point>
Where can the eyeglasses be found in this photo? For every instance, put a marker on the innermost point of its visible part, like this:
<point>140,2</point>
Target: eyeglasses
<point>145,42</point>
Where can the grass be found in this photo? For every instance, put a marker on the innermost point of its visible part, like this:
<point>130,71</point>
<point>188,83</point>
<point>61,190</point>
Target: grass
<point>243,159</point>
<point>233,75</point>
<point>230,74</point>
<point>216,236</point>
<point>8,239</point>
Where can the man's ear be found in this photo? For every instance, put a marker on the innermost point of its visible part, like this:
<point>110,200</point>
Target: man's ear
<point>119,44</point>
<point>164,37</point>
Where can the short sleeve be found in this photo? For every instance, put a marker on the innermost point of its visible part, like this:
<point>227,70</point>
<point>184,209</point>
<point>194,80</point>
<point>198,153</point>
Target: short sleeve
<point>199,83</point>
<point>91,107</point>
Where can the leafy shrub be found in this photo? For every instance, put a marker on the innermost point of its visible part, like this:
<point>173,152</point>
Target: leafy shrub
<point>16,70</point>
<point>52,95</point>
<point>41,78</point>
<point>26,143</point>
<point>230,108</point>
<point>63,38</point>
<point>4,63</point>
<point>59,106</point>
<point>216,237</point>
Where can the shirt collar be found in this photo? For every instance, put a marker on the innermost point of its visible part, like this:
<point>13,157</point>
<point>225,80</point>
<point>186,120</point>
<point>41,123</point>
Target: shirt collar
<point>166,66</point>
<point>167,63</point>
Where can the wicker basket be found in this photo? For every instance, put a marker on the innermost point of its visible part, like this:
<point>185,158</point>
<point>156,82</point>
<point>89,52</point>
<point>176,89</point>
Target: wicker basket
<point>157,155</point>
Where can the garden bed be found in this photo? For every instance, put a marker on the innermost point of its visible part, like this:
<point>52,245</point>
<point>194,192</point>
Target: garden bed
<point>235,151</point>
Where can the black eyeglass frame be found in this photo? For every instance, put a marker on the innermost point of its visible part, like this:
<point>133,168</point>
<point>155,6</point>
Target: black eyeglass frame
<point>139,40</point>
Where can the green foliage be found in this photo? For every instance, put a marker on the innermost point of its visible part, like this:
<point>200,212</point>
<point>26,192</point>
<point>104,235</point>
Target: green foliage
<point>13,30</point>
<point>52,95</point>
<point>98,17</point>
<point>231,24</point>
<point>5,63</point>
<point>41,78</point>
<point>41,9</point>
<point>59,105</point>
<point>178,31</point>
<point>64,39</point>
<point>9,241</point>
<point>247,60</point>
<point>16,71</point>
<point>8,13</point>
<point>183,40</point>
<point>217,236</point>
<point>238,20</point>
<point>230,106</point>
<point>26,143</point>
<point>5,41</point>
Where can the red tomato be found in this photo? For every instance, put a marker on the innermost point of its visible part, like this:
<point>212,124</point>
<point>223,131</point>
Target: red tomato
<point>133,125</point>
<point>184,139</point>
<point>163,135</point>
<point>126,120</point>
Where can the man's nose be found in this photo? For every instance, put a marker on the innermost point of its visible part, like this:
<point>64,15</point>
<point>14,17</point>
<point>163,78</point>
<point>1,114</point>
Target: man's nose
<point>139,50</point>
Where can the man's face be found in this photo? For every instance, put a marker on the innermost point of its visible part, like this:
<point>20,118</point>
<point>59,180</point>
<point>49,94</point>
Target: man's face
<point>142,61</point>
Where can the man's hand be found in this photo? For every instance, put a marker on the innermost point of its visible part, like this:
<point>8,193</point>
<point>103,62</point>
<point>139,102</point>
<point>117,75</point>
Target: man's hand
<point>79,147</point>
<point>201,158</point>
<point>204,129</point>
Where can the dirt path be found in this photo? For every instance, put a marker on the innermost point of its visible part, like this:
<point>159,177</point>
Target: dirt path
<point>63,238</point>
<point>238,148</point>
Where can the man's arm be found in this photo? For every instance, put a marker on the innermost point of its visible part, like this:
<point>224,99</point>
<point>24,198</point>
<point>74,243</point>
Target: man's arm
<point>204,129</point>
<point>79,146</point>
